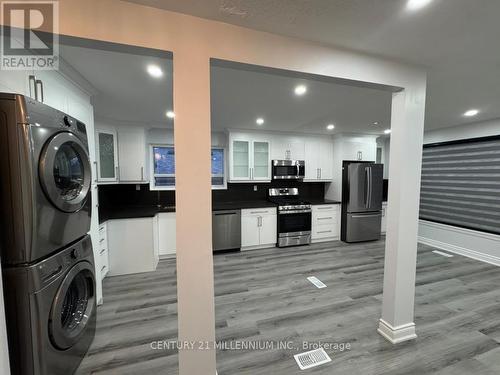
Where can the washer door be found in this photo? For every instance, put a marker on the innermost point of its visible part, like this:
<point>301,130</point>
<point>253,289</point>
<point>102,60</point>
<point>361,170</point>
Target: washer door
<point>73,306</point>
<point>65,172</point>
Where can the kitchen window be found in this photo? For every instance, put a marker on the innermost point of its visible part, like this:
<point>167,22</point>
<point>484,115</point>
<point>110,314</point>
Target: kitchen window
<point>163,168</point>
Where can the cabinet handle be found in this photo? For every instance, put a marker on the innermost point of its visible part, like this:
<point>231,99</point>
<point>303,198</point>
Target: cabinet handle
<point>117,172</point>
<point>259,221</point>
<point>325,218</point>
<point>102,251</point>
<point>258,212</point>
<point>32,83</point>
<point>103,268</point>
<point>142,173</point>
<point>39,83</point>
<point>95,179</point>
<point>325,231</point>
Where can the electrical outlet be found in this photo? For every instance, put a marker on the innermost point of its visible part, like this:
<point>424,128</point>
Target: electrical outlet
<point>138,187</point>
<point>255,188</point>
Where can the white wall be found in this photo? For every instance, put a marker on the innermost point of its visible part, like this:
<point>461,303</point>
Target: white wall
<point>474,244</point>
<point>473,130</point>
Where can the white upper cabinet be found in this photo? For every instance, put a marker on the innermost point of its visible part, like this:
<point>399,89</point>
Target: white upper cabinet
<point>17,82</point>
<point>52,89</point>
<point>359,150</point>
<point>132,166</point>
<point>249,159</point>
<point>286,149</point>
<point>121,155</point>
<point>107,155</point>
<point>319,160</point>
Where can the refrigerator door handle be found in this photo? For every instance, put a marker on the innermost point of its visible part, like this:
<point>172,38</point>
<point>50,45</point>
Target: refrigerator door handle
<point>367,187</point>
<point>370,186</point>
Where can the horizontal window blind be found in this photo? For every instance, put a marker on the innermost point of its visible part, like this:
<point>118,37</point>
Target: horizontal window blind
<point>461,184</point>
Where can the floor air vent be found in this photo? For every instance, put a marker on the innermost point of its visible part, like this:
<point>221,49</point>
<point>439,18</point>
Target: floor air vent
<point>317,282</point>
<point>443,254</point>
<point>312,359</point>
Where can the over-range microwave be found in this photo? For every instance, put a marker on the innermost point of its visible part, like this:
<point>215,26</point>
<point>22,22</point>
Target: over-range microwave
<point>288,169</point>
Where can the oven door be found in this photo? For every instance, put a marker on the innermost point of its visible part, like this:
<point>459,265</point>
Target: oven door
<point>294,223</point>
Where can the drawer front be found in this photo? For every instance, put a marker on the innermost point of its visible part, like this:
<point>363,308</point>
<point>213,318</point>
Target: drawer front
<point>330,218</point>
<point>325,207</point>
<point>259,211</point>
<point>324,231</point>
<point>104,264</point>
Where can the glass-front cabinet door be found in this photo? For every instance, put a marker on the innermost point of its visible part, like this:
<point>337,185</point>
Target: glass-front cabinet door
<point>107,161</point>
<point>240,168</point>
<point>261,161</point>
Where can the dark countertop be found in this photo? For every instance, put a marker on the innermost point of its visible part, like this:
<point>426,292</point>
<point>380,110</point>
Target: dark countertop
<point>221,206</point>
<point>320,201</point>
<point>131,212</point>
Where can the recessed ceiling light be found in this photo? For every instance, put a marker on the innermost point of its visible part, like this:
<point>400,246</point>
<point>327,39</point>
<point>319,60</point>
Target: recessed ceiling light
<point>155,71</point>
<point>471,113</point>
<point>260,121</point>
<point>330,127</point>
<point>417,4</point>
<point>300,90</point>
<point>170,114</point>
<point>375,123</point>
<point>387,131</point>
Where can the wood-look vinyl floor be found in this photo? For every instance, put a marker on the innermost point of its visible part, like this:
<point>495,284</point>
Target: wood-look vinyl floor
<point>264,295</point>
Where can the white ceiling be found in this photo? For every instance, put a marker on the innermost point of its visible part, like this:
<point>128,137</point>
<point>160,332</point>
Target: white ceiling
<point>456,39</point>
<point>241,96</point>
<point>127,95</point>
<point>125,92</point>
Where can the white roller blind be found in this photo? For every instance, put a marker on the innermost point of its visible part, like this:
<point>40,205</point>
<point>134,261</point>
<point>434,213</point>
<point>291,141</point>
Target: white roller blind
<point>461,184</point>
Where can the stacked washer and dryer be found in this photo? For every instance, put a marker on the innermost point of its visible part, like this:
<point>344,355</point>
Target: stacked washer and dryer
<point>45,251</point>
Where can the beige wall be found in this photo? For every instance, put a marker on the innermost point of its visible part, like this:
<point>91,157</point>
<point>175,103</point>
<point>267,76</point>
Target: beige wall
<point>194,41</point>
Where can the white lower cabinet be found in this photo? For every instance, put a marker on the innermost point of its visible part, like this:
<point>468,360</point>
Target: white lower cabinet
<point>258,228</point>
<point>325,223</point>
<point>103,250</point>
<point>383,228</point>
<point>132,246</point>
<point>166,234</point>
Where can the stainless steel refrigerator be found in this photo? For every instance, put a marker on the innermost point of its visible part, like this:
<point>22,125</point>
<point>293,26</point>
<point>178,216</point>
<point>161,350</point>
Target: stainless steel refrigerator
<point>362,192</point>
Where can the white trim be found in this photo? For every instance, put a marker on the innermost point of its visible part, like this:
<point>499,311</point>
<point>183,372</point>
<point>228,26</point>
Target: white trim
<point>475,237</point>
<point>398,334</point>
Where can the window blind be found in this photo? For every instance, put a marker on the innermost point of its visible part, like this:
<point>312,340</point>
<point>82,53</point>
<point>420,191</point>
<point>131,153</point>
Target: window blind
<point>461,184</point>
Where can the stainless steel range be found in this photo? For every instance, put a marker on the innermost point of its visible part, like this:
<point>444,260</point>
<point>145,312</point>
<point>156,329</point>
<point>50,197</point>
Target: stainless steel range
<point>294,217</point>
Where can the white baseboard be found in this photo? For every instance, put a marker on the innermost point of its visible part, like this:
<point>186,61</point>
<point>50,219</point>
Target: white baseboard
<point>466,237</point>
<point>397,335</point>
<point>268,246</point>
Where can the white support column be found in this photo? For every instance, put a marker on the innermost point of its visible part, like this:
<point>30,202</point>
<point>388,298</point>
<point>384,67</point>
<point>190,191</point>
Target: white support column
<point>4,348</point>
<point>407,124</point>
<point>195,277</point>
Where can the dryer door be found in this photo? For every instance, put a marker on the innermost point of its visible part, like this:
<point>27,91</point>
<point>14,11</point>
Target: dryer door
<point>65,172</point>
<point>73,306</point>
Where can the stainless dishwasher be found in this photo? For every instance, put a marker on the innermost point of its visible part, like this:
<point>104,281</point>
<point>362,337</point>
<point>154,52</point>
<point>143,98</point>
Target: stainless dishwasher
<point>226,230</point>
